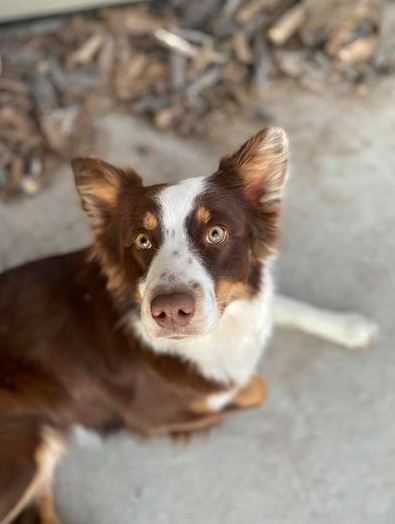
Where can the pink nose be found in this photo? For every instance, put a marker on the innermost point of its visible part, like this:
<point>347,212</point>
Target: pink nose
<point>173,310</point>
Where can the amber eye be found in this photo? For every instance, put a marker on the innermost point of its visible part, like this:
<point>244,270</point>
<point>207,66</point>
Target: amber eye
<point>143,241</point>
<point>216,235</point>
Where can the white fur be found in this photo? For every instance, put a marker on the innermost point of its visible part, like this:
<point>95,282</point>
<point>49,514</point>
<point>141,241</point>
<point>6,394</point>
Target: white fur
<point>347,329</point>
<point>176,265</point>
<point>230,352</point>
<point>86,437</point>
<point>227,347</point>
<point>218,401</point>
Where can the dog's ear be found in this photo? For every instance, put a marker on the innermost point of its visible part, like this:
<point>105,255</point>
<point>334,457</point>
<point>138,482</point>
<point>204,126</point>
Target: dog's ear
<point>99,185</point>
<point>260,166</point>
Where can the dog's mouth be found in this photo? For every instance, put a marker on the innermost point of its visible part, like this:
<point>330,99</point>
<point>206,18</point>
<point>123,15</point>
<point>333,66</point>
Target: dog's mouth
<point>189,333</point>
<point>195,330</point>
<point>175,337</point>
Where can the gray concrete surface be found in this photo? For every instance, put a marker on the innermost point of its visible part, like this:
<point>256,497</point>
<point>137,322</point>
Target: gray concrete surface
<point>11,10</point>
<point>322,449</point>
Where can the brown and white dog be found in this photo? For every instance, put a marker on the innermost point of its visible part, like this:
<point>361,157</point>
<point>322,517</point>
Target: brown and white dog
<point>157,328</point>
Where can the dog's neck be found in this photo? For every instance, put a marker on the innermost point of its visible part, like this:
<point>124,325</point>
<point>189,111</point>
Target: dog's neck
<point>230,353</point>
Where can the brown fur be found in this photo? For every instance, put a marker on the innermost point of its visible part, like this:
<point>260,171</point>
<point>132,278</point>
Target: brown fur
<point>150,221</point>
<point>116,222</point>
<point>65,358</point>
<point>251,395</point>
<point>46,508</point>
<point>244,196</point>
<point>203,215</point>
<point>78,369</point>
<point>259,170</point>
<point>228,290</point>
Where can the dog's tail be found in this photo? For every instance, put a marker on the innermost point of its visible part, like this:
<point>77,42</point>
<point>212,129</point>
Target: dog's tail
<point>347,328</point>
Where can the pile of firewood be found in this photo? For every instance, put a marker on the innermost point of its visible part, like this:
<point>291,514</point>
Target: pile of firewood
<point>187,66</point>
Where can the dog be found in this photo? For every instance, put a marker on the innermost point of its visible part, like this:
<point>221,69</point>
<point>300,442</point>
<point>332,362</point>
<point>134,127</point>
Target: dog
<point>158,327</point>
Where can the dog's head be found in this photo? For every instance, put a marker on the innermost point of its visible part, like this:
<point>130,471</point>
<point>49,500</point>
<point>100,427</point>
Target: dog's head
<point>180,254</point>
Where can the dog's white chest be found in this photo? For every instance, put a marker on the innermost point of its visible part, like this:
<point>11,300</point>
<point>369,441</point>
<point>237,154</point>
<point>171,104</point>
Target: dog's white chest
<point>232,353</point>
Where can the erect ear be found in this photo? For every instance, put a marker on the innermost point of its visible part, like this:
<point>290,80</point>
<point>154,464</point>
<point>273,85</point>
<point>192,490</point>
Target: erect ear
<point>99,185</point>
<point>261,166</point>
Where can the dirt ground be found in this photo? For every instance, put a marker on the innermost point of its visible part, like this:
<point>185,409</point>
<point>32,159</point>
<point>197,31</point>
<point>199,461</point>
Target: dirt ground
<point>322,449</point>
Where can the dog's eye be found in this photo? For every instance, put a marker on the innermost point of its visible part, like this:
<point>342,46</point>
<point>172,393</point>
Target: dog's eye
<point>143,241</point>
<point>217,235</point>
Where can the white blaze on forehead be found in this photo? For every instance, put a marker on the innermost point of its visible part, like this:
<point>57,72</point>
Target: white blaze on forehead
<point>177,264</point>
<point>176,256</point>
<point>176,203</point>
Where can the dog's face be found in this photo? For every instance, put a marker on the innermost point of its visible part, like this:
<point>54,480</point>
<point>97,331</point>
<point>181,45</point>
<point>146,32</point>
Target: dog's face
<point>181,254</point>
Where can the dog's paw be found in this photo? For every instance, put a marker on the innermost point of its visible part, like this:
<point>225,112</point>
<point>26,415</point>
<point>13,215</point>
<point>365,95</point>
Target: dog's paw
<point>358,331</point>
<point>252,395</point>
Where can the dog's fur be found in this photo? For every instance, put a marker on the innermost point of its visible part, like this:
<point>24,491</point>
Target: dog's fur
<point>80,344</point>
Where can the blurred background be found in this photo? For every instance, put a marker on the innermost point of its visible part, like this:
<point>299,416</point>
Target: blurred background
<point>169,86</point>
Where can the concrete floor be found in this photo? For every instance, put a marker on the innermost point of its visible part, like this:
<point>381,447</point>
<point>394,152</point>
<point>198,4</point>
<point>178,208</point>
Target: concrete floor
<point>322,449</point>
<point>11,10</point>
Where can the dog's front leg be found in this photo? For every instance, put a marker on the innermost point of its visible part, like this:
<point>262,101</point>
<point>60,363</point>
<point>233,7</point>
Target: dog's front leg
<point>252,395</point>
<point>183,420</point>
<point>191,423</point>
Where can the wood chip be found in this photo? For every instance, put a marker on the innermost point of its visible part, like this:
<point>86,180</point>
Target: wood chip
<point>87,51</point>
<point>287,25</point>
<point>17,171</point>
<point>5,155</point>
<point>361,50</point>
<point>14,86</point>
<point>165,117</point>
<point>290,63</point>
<point>59,127</point>
<point>231,6</point>
<point>175,42</point>
<point>263,64</point>
<point>205,81</point>
<point>178,67</point>
<point>335,23</point>
<point>182,64</point>
<point>44,94</point>
<point>242,48</point>
<point>137,21</point>
<point>106,59</point>
<point>141,22</point>
<point>253,8</point>
<point>11,118</point>
<point>126,75</point>
<point>193,36</point>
